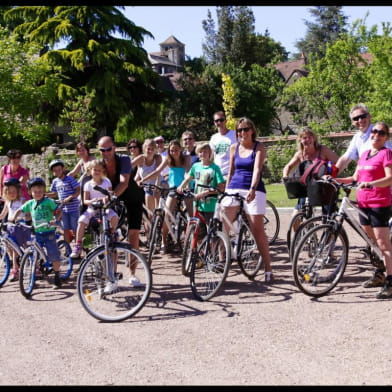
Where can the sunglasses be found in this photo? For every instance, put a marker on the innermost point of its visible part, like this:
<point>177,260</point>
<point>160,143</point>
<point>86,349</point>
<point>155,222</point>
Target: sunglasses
<point>129,147</point>
<point>15,157</point>
<point>159,142</point>
<point>187,138</point>
<point>106,149</point>
<point>219,120</point>
<point>356,118</point>
<point>379,132</point>
<point>246,129</point>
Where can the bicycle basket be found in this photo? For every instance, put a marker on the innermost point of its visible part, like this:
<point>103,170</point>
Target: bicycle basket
<point>294,188</point>
<point>322,193</point>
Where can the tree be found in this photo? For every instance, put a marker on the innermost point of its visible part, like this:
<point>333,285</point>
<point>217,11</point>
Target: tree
<point>236,42</point>
<point>79,117</point>
<point>27,83</point>
<point>329,24</point>
<point>95,60</point>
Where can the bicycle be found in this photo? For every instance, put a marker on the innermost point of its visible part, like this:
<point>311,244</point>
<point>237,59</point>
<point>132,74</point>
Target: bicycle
<point>34,263</point>
<point>321,256</point>
<point>7,243</point>
<point>176,223</point>
<point>271,222</point>
<point>208,261</point>
<point>101,287</point>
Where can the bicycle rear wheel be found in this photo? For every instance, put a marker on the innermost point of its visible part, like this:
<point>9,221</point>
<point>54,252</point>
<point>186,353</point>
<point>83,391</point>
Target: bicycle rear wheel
<point>66,262</point>
<point>188,252</point>
<point>210,266</point>
<point>271,222</point>
<point>248,256</point>
<point>113,301</point>
<point>28,264</point>
<point>5,264</point>
<point>320,260</point>
<point>155,238</point>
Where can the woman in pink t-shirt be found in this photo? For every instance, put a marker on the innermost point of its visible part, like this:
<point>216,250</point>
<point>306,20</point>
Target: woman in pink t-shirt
<point>14,170</point>
<point>374,177</point>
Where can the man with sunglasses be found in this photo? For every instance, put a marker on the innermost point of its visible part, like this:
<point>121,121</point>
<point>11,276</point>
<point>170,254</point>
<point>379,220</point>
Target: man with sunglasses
<point>221,141</point>
<point>361,120</point>
<point>118,167</point>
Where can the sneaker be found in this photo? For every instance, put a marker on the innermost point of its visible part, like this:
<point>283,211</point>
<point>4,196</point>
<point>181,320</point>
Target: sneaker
<point>110,287</point>
<point>76,251</point>
<point>57,282</point>
<point>386,291</point>
<point>135,282</point>
<point>377,280</point>
<point>14,275</point>
<point>269,277</point>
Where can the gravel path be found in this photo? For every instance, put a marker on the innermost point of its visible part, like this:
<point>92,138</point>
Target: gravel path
<point>251,334</point>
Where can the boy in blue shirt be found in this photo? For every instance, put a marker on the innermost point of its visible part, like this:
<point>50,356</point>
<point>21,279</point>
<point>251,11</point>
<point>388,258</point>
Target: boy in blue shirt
<point>67,189</point>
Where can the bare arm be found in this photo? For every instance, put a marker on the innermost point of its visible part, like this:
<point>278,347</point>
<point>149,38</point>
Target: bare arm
<point>76,169</point>
<point>329,155</point>
<point>231,163</point>
<point>342,163</point>
<point>294,161</point>
<point>157,171</point>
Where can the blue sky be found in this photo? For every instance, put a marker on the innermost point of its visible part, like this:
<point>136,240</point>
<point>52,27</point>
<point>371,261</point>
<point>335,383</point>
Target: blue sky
<point>284,23</point>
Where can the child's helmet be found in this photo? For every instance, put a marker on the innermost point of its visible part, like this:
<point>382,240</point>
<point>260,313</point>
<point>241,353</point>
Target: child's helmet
<point>12,181</point>
<point>56,162</point>
<point>35,181</point>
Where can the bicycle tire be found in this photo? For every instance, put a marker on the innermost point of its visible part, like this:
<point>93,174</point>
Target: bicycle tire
<point>124,301</point>
<point>5,264</point>
<point>181,223</point>
<point>303,228</point>
<point>66,262</point>
<point>27,268</point>
<point>188,251</point>
<point>295,221</point>
<point>271,222</point>
<point>156,238</point>
<point>248,256</point>
<point>208,272</point>
<point>320,260</point>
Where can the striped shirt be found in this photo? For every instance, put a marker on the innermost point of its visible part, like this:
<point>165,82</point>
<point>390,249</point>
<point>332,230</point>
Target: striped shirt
<point>66,187</point>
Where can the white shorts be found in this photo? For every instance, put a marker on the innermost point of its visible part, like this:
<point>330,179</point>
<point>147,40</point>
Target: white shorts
<point>255,207</point>
<point>90,212</point>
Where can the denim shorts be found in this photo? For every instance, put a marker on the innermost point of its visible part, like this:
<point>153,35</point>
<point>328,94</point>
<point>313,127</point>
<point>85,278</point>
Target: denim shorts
<point>48,240</point>
<point>69,220</point>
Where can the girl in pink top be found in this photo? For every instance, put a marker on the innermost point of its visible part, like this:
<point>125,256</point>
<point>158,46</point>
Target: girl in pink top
<point>14,170</point>
<point>374,177</point>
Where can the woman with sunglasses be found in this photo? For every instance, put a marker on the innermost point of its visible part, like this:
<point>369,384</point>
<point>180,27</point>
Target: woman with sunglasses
<point>15,170</point>
<point>374,177</point>
<point>247,158</point>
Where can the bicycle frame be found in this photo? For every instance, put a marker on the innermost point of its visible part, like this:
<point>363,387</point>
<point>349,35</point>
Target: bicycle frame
<point>344,214</point>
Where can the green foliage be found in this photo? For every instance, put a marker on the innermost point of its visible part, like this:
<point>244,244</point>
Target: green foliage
<point>277,158</point>
<point>27,83</point>
<point>94,59</point>
<point>330,23</point>
<point>78,115</point>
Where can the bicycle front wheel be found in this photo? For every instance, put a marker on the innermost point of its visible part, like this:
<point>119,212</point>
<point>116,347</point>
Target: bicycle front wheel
<point>5,264</point>
<point>271,222</point>
<point>28,264</point>
<point>181,223</point>
<point>66,262</point>
<point>210,266</point>
<point>117,300</point>
<point>248,256</point>
<point>320,260</point>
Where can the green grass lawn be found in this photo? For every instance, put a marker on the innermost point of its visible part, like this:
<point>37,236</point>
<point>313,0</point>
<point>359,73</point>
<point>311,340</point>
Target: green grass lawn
<point>276,193</point>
